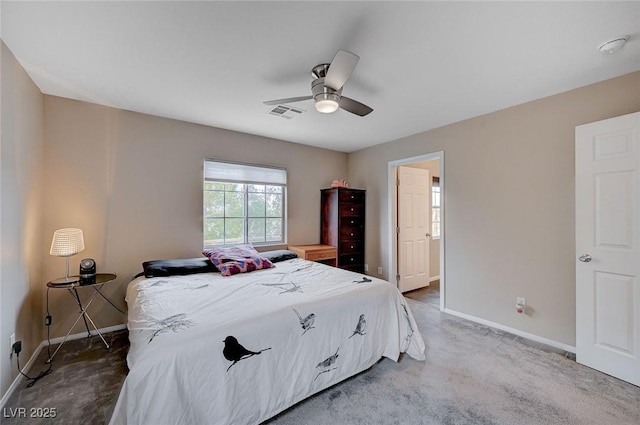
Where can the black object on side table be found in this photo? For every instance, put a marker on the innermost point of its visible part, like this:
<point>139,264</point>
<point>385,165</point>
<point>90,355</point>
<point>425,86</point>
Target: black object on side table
<point>96,282</point>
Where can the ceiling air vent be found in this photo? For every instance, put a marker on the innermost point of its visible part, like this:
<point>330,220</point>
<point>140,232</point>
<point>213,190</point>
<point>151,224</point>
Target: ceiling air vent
<point>285,112</point>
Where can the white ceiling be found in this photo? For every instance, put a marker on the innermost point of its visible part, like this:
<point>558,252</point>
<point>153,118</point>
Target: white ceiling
<point>423,64</point>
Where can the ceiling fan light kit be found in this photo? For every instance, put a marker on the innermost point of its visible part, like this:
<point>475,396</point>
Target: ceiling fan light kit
<point>326,99</point>
<point>326,87</point>
<point>327,106</point>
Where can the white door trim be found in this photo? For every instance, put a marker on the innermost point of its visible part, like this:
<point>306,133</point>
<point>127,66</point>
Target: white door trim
<point>391,217</point>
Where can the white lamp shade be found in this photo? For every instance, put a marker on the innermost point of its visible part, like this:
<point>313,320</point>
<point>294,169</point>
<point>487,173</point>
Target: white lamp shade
<point>67,242</point>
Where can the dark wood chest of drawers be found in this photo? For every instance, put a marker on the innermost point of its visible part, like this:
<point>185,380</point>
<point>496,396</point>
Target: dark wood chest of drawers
<point>342,225</point>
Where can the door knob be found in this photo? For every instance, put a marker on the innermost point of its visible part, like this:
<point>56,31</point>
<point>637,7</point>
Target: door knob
<point>585,258</point>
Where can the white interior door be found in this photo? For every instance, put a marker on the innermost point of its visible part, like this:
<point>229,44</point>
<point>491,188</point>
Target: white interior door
<point>607,246</point>
<point>414,227</point>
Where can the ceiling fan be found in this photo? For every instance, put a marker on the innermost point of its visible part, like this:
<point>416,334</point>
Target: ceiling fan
<point>326,87</point>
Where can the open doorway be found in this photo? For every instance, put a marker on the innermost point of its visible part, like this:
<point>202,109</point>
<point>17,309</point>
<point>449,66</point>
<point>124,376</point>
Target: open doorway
<point>409,255</point>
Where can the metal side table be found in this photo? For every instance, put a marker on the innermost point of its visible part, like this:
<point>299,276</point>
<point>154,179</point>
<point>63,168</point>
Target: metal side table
<point>96,283</point>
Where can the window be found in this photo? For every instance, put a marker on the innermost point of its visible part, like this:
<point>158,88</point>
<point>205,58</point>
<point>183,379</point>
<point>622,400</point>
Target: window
<point>435,208</point>
<point>243,204</point>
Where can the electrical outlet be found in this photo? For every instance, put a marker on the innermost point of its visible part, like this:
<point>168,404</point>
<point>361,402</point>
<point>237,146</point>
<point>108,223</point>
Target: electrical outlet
<point>366,267</point>
<point>521,305</point>
<point>12,340</point>
<point>379,270</point>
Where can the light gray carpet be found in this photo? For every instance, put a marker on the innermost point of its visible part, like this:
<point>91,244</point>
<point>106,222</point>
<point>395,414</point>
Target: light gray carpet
<point>472,375</point>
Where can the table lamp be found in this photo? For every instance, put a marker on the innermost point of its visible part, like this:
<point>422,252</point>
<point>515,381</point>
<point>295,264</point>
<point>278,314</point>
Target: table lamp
<point>65,243</point>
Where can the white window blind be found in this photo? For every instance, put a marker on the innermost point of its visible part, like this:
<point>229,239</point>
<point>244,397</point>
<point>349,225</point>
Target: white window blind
<point>243,173</point>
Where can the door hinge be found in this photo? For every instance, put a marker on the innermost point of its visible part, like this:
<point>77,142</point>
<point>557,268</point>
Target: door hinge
<point>397,230</point>
<point>398,278</point>
<point>397,182</point>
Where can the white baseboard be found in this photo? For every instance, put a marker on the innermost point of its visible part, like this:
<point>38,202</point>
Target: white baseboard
<point>43,344</point>
<point>532,337</point>
<point>20,378</point>
<point>431,279</point>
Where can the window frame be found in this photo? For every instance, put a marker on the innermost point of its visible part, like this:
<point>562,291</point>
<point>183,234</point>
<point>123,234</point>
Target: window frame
<point>245,191</point>
<point>435,183</point>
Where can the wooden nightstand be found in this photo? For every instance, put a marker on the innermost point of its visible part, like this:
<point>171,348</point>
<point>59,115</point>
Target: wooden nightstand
<point>325,254</point>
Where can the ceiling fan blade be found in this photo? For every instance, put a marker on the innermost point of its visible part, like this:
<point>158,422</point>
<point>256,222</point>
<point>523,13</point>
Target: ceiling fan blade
<point>287,100</point>
<point>340,69</point>
<point>354,106</point>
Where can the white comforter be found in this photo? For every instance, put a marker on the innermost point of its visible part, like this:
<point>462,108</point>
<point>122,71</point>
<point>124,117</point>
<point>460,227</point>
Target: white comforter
<point>207,349</point>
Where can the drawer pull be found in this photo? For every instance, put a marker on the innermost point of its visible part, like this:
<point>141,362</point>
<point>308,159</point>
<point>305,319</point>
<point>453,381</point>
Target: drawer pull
<point>351,221</point>
<point>352,234</point>
<point>351,246</point>
<point>351,209</point>
<point>352,196</point>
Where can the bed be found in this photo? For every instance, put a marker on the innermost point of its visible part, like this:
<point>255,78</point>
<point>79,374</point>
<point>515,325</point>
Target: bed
<point>207,348</point>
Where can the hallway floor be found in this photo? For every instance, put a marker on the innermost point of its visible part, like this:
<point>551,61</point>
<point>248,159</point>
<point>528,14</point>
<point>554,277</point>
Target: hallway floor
<point>429,294</point>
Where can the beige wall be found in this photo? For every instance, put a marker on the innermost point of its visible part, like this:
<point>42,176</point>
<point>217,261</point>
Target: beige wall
<point>21,148</point>
<point>509,204</point>
<point>133,183</point>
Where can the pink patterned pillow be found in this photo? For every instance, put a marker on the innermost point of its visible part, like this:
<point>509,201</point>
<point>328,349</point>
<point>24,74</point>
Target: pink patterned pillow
<point>236,259</point>
<point>245,265</point>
